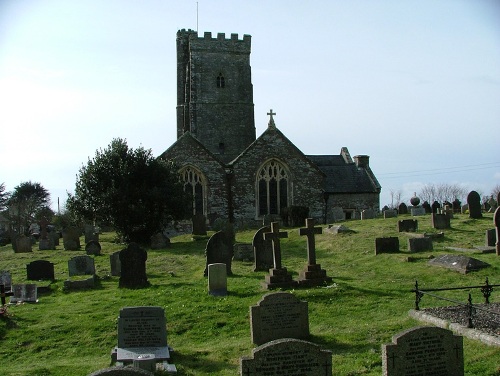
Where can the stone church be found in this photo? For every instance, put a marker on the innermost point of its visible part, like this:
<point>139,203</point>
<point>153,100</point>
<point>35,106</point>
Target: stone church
<point>235,175</point>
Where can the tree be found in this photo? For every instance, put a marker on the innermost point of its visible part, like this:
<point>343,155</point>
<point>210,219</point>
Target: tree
<point>26,203</point>
<point>4,197</point>
<point>442,192</point>
<point>129,189</point>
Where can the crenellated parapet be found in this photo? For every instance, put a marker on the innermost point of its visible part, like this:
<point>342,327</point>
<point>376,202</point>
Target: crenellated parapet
<point>219,43</point>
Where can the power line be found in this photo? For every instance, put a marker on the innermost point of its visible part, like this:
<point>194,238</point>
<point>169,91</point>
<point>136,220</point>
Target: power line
<point>438,171</point>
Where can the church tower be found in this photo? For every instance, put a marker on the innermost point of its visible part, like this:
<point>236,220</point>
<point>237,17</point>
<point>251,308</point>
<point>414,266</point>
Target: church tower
<point>215,92</point>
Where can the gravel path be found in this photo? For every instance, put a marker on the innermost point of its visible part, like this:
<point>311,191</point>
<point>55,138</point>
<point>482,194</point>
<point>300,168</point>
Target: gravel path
<point>486,317</point>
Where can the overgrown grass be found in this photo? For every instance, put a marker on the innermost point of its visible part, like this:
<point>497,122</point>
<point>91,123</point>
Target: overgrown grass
<point>72,333</point>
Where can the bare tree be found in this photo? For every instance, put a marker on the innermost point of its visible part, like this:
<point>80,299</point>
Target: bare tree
<point>442,192</point>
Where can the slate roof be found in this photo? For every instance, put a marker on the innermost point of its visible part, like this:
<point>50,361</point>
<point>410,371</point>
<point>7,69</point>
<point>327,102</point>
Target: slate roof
<point>343,177</point>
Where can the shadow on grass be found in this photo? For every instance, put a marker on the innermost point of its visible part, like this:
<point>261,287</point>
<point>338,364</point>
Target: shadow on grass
<point>189,362</point>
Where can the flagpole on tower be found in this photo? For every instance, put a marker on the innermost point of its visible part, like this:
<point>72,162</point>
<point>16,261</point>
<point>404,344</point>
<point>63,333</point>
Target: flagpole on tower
<point>196,16</point>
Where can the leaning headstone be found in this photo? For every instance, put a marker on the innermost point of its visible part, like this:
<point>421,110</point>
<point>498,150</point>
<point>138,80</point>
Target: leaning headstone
<point>23,244</point>
<point>243,252</point>
<point>217,279</point>
<point>420,244</point>
<point>6,279</point>
<point>141,330</point>
<point>71,238</point>
<point>133,267</point>
<point>290,357</point>
<point>474,202</point>
<point>40,270</point>
<point>93,247</point>
<point>408,225</point>
<point>262,250</point>
<point>160,241</point>
<point>390,213</point>
<point>403,208</point>
<point>115,264</point>
<point>496,222</point>
<point>367,214</point>
<point>278,276</point>
<point>386,245</point>
<point>491,237</point>
<point>279,315</point>
<point>440,221</point>
<point>199,225</point>
<point>459,263</point>
<point>425,350</point>
<point>219,249</point>
<point>24,293</point>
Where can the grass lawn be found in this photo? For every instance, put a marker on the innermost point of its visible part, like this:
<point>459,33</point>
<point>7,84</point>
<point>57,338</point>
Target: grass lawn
<point>72,333</point>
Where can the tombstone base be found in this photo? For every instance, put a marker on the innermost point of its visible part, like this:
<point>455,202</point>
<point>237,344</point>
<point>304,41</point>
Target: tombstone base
<point>87,283</point>
<point>279,278</point>
<point>313,275</point>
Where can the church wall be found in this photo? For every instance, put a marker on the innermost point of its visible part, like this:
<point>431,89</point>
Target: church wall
<point>352,201</point>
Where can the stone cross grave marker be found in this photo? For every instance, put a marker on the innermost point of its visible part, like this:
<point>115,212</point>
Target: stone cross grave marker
<point>24,293</point>
<point>39,270</point>
<point>274,236</point>
<point>142,330</point>
<point>263,250</point>
<point>496,221</point>
<point>279,315</point>
<point>312,275</point>
<point>474,202</point>
<point>133,267</point>
<point>288,356</point>
<point>425,350</point>
<point>4,294</point>
<point>219,249</point>
<point>278,276</point>
<point>217,279</point>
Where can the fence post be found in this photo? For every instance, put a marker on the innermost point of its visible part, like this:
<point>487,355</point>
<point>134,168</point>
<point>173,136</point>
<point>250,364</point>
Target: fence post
<point>486,290</point>
<point>470,312</point>
<point>418,296</point>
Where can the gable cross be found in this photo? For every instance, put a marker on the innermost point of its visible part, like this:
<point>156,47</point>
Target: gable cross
<point>310,231</point>
<point>271,120</point>
<point>275,235</point>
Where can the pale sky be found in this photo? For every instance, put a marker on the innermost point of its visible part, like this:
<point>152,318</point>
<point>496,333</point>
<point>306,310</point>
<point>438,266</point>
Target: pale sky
<point>414,84</point>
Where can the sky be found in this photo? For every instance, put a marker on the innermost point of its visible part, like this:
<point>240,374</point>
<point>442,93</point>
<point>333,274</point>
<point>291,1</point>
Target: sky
<point>414,84</point>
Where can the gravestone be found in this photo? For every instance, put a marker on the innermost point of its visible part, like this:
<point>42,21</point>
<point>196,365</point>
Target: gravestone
<point>121,371</point>
<point>390,213</point>
<point>288,356</point>
<point>54,237</point>
<point>337,214</point>
<point>6,279</point>
<point>448,211</point>
<point>24,293</point>
<point>278,276</point>
<point>81,266</point>
<point>386,245</point>
<point>40,270</point>
<point>199,225</point>
<point>491,238</point>
<point>141,330</point>
<point>279,315</point>
<point>312,275</point>
<point>435,207</point>
<point>417,211</point>
<point>45,242</point>
<point>496,222</point>
<point>459,263</point>
<point>420,244</point>
<point>115,264</point>
<point>367,214</point>
<point>440,221</point>
<point>425,350</point>
<point>474,202</point>
<point>217,279</point>
<point>71,238</point>
<point>337,229</point>
<point>456,205</point>
<point>23,244</point>
<point>160,241</point>
<point>427,207</point>
<point>219,249</point>
<point>90,234</point>
<point>93,247</point>
<point>133,267</point>
<point>408,225</point>
<point>403,208</point>
<point>243,252</point>
<point>4,294</point>
<point>464,209</point>
<point>262,250</point>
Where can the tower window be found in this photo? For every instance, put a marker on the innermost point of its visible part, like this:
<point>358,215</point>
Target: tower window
<point>222,147</point>
<point>220,81</point>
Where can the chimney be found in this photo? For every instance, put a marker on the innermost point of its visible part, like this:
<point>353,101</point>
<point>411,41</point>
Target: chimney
<point>362,161</point>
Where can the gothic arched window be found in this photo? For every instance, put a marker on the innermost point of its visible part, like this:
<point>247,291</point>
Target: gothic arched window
<point>195,184</point>
<point>272,188</point>
<point>220,80</point>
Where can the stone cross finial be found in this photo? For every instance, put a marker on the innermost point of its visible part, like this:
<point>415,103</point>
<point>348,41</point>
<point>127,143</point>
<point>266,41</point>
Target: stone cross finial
<point>310,231</point>
<point>271,120</point>
<point>275,236</point>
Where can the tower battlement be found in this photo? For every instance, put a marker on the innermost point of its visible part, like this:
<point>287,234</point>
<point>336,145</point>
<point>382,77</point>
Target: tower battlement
<point>220,42</point>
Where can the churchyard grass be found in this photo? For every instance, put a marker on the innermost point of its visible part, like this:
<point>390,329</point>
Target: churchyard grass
<point>72,333</point>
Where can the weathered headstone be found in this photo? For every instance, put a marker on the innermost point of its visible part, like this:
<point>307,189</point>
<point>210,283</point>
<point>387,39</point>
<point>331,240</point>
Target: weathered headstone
<point>24,293</point>
<point>219,249</point>
<point>420,244</point>
<point>496,222</point>
<point>279,315</point>
<point>71,238</point>
<point>386,245</point>
<point>243,252</point>
<point>45,242</point>
<point>490,237</point>
<point>278,276</point>
<point>390,213</point>
<point>435,207</point>
<point>141,330</point>
<point>81,265</point>
<point>474,202</point>
<point>160,241</point>
<point>456,205</point>
<point>262,250</point>
<point>417,211</point>
<point>54,237</point>
<point>312,275</point>
<point>408,225</point>
<point>290,357</point>
<point>367,214</point>
<point>199,225</point>
<point>115,264</point>
<point>6,279</point>
<point>427,207</point>
<point>93,247</point>
<point>90,234</point>
<point>217,279</point>
<point>133,267</point>
<point>403,208</point>
<point>426,350</point>
<point>40,270</point>
<point>440,221</point>
<point>459,263</point>
<point>23,244</point>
